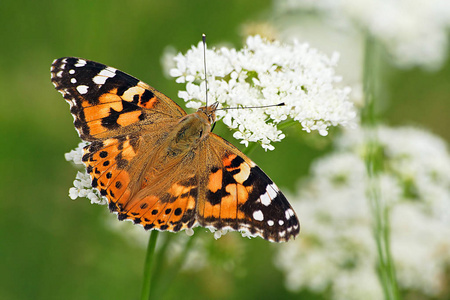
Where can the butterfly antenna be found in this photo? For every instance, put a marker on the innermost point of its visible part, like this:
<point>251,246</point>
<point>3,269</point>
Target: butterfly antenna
<point>204,65</point>
<point>245,107</point>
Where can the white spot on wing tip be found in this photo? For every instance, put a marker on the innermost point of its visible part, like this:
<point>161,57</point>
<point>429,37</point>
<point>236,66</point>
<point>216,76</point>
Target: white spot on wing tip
<point>289,213</point>
<point>111,69</point>
<point>265,199</point>
<point>270,194</point>
<point>73,80</point>
<point>80,63</point>
<point>82,89</point>
<point>99,79</point>
<point>71,71</point>
<point>258,215</point>
<point>103,75</point>
<point>270,223</point>
<point>273,190</point>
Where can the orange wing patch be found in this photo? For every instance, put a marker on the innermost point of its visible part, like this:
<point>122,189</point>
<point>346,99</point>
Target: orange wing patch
<point>215,180</point>
<point>174,210</point>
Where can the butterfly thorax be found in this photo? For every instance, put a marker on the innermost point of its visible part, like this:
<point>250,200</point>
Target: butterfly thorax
<point>188,133</point>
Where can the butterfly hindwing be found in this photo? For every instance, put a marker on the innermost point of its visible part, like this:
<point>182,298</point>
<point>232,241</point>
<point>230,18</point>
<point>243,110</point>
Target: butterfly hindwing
<point>164,193</point>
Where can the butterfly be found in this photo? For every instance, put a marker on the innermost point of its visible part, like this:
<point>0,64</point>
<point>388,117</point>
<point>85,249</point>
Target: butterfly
<point>161,167</point>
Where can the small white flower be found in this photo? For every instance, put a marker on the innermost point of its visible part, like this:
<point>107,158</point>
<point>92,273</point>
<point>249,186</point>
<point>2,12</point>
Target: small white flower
<point>266,73</point>
<point>76,154</point>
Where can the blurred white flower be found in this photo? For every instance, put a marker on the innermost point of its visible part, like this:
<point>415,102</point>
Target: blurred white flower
<point>337,249</point>
<point>266,73</point>
<point>417,159</point>
<point>414,32</point>
<point>420,248</point>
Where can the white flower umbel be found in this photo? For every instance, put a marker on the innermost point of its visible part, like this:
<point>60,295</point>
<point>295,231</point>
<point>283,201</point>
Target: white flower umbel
<point>414,32</point>
<point>337,249</point>
<point>266,73</point>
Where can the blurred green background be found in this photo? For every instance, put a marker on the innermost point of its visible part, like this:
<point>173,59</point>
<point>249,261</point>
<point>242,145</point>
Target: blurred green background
<point>55,248</point>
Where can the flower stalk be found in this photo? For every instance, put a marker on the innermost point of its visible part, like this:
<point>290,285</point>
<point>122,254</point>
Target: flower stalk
<point>374,164</point>
<point>148,270</point>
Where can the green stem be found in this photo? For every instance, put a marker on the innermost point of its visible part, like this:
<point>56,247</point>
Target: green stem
<point>149,259</point>
<point>374,164</point>
<point>174,269</point>
<point>160,260</point>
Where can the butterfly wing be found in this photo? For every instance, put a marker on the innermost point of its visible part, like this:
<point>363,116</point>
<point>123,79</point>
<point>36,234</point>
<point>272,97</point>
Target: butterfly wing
<point>124,119</point>
<point>106,102</point>
<point>240,196</point>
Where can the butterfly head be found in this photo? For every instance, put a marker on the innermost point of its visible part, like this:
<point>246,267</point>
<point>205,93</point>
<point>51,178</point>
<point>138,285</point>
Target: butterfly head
<point>210,112</point>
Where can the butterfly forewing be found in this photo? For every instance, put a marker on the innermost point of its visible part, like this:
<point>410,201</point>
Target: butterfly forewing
<point>105,101</point>
<point>136,158</point>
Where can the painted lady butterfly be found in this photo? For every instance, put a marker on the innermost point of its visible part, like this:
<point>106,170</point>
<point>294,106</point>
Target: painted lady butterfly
<point>161,167</point>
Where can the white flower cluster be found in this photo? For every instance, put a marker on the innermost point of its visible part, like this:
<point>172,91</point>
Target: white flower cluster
<point>82,187</point>
<point>336,248</point>
<point>266,73</point>
<point>414,32</point>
